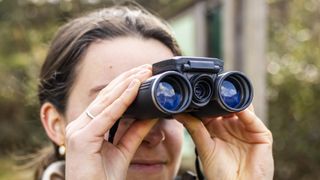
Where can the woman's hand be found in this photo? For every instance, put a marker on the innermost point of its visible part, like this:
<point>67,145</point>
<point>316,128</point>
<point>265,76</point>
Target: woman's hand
<point>89,155</point>
<point>237,146</point>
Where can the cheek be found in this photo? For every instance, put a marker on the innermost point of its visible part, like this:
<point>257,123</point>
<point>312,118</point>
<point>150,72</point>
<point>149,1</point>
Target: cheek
<point>174,138</point>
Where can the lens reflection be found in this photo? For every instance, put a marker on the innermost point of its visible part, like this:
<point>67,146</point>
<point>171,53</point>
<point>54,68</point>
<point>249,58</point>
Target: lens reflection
<point>230,94</point>
<point>200,91</point>
<point>168,96</point>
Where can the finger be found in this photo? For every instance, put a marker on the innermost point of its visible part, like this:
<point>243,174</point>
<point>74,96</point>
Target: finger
<point>103,101</point>
<point>198,132</point>
<point>251,108</point>
<point>105,120</point>
<point>124,76</point>
<point>133,137</point>
<point>216,128</point>
<point>251,122</point>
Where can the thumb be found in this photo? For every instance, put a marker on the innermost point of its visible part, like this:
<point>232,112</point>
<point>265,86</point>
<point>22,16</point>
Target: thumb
<point>199,133</point>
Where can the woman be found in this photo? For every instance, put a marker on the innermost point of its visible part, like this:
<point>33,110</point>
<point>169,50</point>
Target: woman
<point>92,73</point>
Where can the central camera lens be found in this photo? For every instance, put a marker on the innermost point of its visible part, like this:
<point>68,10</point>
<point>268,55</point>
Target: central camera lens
<point>202,90</point>
<point>230,93</point>
<point>169,94</point>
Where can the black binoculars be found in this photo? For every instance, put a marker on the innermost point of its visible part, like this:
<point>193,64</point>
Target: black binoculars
<point>195,85</point>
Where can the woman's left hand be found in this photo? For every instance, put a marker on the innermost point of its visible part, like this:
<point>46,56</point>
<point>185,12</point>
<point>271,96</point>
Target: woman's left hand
<point>238,146</point>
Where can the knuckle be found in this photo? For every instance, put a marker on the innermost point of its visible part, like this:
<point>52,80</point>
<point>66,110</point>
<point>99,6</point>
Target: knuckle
<point>119,106</point>
<point>144,74</point>
<point>124,103</point>
<point>113,116</point>
<point>75,139</point>
<point>69,128</point>
<point>104,91</point>
<point>106,98</point>
<point>137,135</point>
<point>269,136</point>
<point>110,114</point>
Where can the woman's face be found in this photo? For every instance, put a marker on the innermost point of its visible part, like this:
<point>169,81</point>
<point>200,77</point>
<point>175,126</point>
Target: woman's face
<point>158,157</point>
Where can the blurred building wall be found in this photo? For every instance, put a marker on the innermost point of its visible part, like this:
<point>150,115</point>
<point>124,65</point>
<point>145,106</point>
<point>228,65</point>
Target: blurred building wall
<point>241,38</point>
<point>244,38</point>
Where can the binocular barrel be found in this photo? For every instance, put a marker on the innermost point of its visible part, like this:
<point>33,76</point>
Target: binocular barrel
<point>202,95</point>
<point>161,95</point>
<point>233,92</point>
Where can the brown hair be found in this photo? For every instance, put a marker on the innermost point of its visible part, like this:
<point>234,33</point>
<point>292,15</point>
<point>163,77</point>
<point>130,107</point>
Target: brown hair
<point>72,40</point>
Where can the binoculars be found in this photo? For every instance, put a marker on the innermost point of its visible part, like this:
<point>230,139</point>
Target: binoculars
<point>195,85</point>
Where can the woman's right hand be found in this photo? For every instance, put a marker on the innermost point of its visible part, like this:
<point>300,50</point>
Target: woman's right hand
<point>89,155</point>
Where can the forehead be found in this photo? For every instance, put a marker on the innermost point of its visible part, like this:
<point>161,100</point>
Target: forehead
<point>106,59</point>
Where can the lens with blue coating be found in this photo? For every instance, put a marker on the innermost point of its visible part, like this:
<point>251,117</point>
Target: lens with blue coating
<point>230,93</point>
<point>169,95</point>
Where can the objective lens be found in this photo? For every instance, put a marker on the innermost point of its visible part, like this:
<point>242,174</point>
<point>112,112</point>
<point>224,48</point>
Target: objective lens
<point>169,95</point>
<point>230,94</point>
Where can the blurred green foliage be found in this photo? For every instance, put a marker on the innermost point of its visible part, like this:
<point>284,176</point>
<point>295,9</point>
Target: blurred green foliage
<point>294,88</point>
<point>10,171</point>
<point>26,27</point>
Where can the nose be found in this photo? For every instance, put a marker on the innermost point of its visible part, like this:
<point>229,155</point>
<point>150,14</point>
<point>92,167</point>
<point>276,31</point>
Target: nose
<point>155,136</point>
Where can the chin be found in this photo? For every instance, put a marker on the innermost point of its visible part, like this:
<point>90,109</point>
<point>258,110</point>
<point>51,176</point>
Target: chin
<point>148,177</point>
<point>153,173</point>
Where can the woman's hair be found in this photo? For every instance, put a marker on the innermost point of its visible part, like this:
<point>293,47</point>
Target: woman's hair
<point>71,41</point>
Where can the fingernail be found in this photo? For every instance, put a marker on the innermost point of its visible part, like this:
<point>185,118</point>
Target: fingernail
<point>145,71</point>
<point>146,66</point>
<point>133,83</point>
